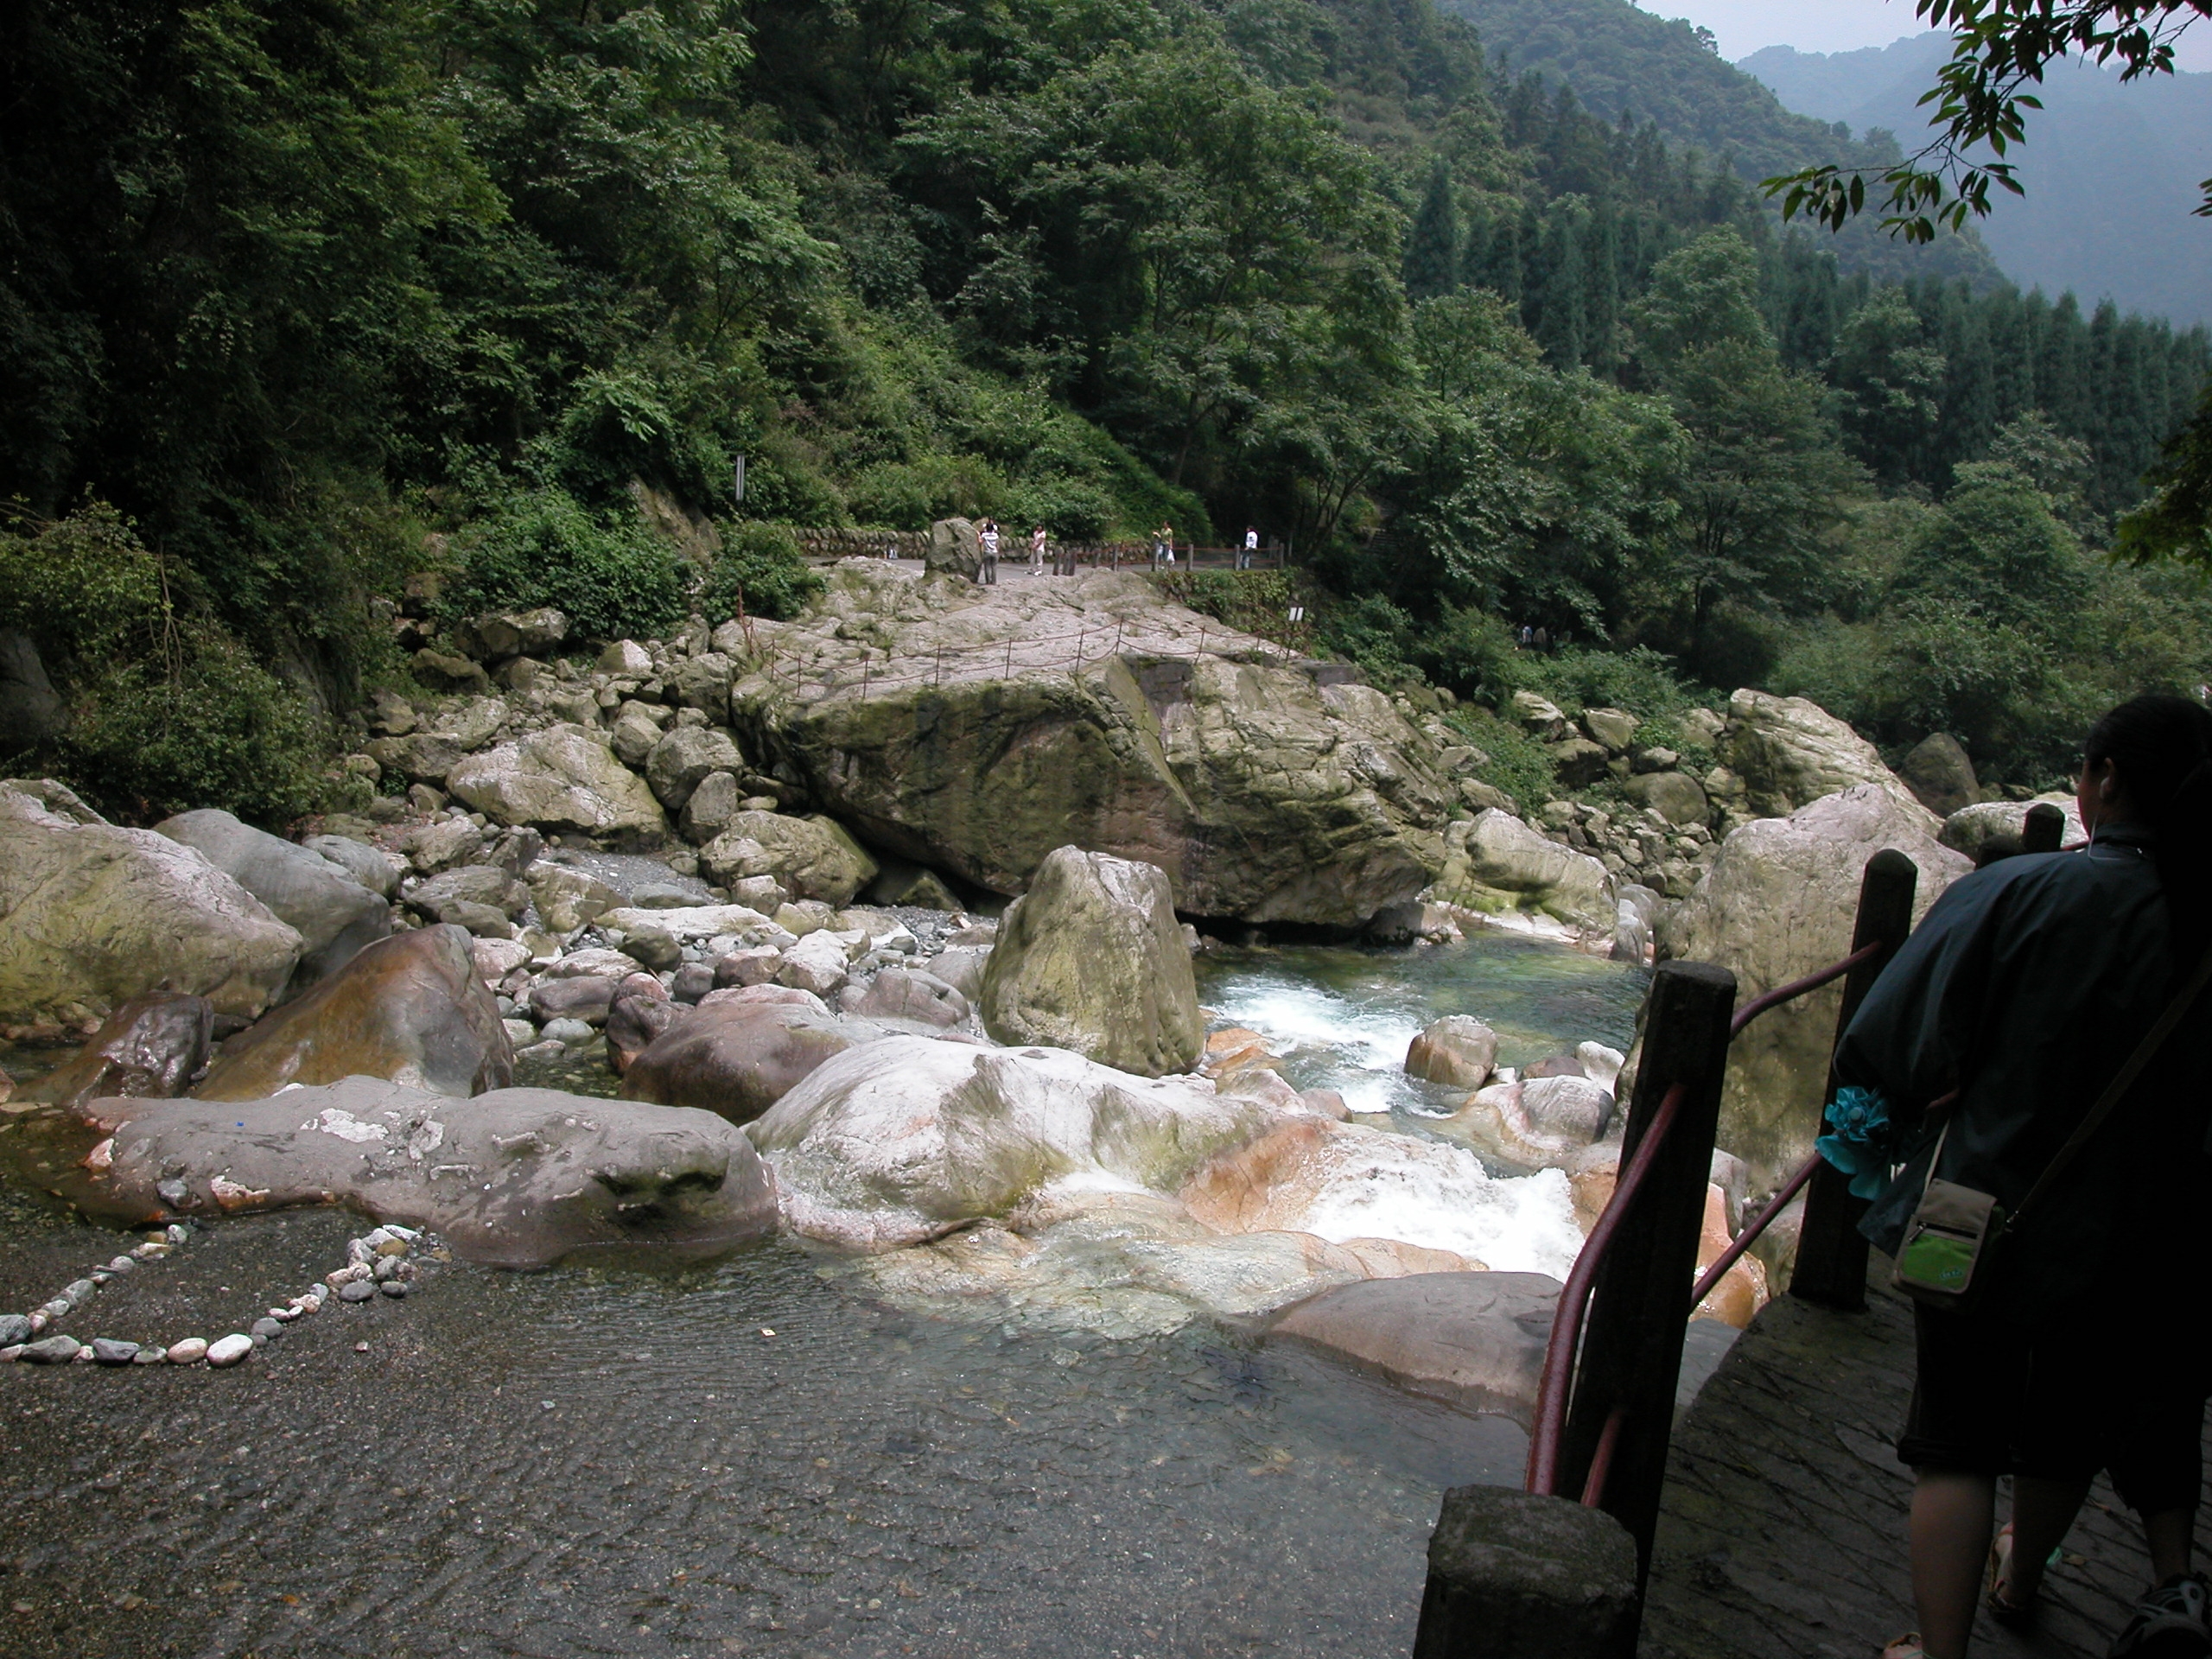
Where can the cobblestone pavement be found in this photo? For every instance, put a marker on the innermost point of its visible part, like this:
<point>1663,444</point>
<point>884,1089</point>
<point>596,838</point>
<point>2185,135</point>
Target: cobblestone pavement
<point>1783,1528</point>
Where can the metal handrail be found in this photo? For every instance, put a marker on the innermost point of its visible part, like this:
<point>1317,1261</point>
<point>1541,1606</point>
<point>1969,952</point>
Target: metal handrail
<point>1574,1301</point>
<point>1797,988</point>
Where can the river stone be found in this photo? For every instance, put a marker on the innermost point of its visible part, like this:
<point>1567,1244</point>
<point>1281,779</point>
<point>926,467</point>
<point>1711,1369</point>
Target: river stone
<point>410,1009</point>
<point>229,1351</point>
<point>1779,901</point>
<point>1100,714</point>
<point>637,1019</point>
<point>1674,795</point>
<point>1790,752</point>
<point>905,993</point>
<point>816,963</point>
<point>688,923</point>
<point>713,806</point>
<point>738,1059</point>
<point>954,547</point>
<point>905,1139</point>
<point>1994,828</point>
<point>1092,959</point>
<point>501,634</point>
<point>190,1351</point>
<point>151,1047</point>
<point>1536,1122</point>
<point>488,884</point>
<point>1494,860</point>
<point>1458,1049</point>
<point>685,757</point>
<point>1614,727</point>
<point>50,1351</point>
<point>1476,1339</point>
<point>568,899</point>
<point>564,777</point>
<point>516,1178</point>
<point>962,968</point>
<point>1940,775</point>
<point>91,915</point>
<point>809,858</point>
<point>15,1329</point>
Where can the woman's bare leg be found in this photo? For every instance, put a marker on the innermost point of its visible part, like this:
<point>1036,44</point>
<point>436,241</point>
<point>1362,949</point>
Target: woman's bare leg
<point>2043,1510</point>
<point>1952,1514</point>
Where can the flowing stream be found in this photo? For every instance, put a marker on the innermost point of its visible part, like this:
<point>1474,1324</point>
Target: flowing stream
<point>755,1455</point>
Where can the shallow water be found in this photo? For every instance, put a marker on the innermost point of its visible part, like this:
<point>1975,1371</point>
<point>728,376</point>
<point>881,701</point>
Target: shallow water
<point>603,1459</point>
<point>1341,1017</point>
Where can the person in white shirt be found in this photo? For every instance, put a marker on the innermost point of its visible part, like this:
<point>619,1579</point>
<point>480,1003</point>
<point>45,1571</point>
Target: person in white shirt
<point>1251,546</point>
<point>1037,551</point>
<point>988,539</point>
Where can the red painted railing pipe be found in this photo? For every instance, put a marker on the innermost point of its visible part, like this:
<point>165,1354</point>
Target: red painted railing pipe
<point>1566,1321</point>
<point>1601,1460</point>
<point>1744,1241</point>
<point>1797,988</point>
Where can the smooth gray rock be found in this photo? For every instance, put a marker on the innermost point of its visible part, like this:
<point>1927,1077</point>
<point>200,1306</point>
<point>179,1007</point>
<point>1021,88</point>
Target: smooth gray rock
<point>229,1351</point>
<point>109,1350</point>
<point>516,1177</point>
<point>480,884</point>
<point>904,993</point>
<point>1940,774</point>
<point>371,867</point>
<point>571,1034</point>
<point>265,1328</point>
<point>14,1328</point>
<point>1458,1049</point>
<point>585,997</point>
<point>335,914</point>
<point>152,1046</point>
<point>1474,1338</point>
<point>685,757</point>
<point>359,1290</point>
<point>50,1351</point>
<point>1515,1576</point>
<point>738,1059</point>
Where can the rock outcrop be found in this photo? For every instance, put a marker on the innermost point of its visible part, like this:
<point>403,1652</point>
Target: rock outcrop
<point>1994,828</point>
<point>151,1048</point>
<point>738,1059</point>
<point>1940,774</point>
<point>1458,1049</point>
<point>1476,1339</point>
<point>808,858</point>
<point>332,912</point>
<point>1790,752</point>
<point>91,915</point>
<point>1092,959</point>
<point>517,1178</point>
<point>1779,902</point>
<point>974,730</point>
<point>408,1009</point>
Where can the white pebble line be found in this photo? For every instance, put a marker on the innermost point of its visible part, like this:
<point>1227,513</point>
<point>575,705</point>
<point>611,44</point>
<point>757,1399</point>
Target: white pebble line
<point>379,1260</point>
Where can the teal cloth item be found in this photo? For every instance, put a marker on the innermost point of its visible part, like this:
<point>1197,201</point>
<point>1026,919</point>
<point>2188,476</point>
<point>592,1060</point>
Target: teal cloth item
<point>1864,1142</point>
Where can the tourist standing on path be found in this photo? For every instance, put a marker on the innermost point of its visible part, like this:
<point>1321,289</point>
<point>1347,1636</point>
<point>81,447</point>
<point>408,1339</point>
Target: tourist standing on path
<point>1163,546</point>
<point>1251,546</point>
<point>2029,989</point>
<point>1037,551</point>
<point>988,539</point>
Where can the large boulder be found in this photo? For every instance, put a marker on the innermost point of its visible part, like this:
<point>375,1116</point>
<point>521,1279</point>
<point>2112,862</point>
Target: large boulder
<point>1494,861</point>
<point>1476,1339</point>
<point>954,549</point>
<point>409,1009</point>
<point>1778,902</point>
<point>517,1178</point>
<point>1536,1122</point>
<point>1458,1049</point>
<point>151,1047</point>
<point>809,858</point>
<point>905,1139</point>
<point>1992,830</point>
<point>1092,959</point>
<point>371,867</point>
<point>738,1059</point>
<point>1940,774</point>
<point>564,777</point>
<point>91,915</point>
<point>1788,751</point>
<point>31,710</point>
<point>1675,796</point>
<point>683,759</point>
<point>973,730</point>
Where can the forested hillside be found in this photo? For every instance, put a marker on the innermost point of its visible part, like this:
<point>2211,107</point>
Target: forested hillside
<point>303,298</point>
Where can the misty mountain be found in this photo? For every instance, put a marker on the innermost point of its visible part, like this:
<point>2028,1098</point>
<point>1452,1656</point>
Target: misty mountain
<point>2111,169</point>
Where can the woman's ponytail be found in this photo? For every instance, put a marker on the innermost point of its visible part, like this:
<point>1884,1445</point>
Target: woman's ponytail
<point>2162,748</point>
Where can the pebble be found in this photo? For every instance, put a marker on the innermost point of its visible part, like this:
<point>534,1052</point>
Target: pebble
<point>359,1251</point>
<point>14,1328</point>
<point>268,1328</point>
<point>50,1351</point>
<point>569,1033</point>
<point>283,1315</point>
<point>229,1351</point>
<point>178,1233</point>
<point>40,1320</point>
<point>111,1351</point>
<point>77,1290</point>
<point>123,1264</point>
<point>59,1308</point>
<point>356,1290</point>
<point>347,1276</point>
<point>394,1287</point>
<point>386,1270</point>
<point>11,1353</point>
<point>153,1356</point>
<point>361,1347</point>
<point>190,1351</point>
<point>152,1252</point>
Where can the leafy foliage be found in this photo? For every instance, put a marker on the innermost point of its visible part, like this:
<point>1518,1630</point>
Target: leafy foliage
<point>611,576</point>
<point>759,572</point>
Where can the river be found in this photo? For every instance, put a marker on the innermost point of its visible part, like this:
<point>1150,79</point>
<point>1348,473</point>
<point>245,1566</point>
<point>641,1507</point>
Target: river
<point>752,1456</point>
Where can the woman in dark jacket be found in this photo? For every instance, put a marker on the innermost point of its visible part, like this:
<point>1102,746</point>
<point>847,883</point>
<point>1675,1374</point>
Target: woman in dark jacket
<point>2025,991</point>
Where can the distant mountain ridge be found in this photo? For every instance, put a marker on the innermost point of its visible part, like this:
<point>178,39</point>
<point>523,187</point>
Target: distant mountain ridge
<point>2111,170</point>
<point>1617,57</point>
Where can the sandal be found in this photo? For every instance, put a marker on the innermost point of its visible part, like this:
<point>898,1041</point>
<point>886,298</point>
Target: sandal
<point>1996,1593</point>
<point>1905,1647</point>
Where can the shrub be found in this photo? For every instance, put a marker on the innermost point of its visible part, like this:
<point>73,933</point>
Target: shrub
<point>610,576</point>
<point>760,569</point>
<point>1518,763</point>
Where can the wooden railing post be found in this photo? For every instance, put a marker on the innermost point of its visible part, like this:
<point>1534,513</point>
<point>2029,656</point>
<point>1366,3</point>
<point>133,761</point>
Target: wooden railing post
<point>2044,829</point>
<point>1831,1251</point>
<point>1640,1302</point>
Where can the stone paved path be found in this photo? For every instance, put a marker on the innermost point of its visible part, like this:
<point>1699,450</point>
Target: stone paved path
<point>1784,1530</point>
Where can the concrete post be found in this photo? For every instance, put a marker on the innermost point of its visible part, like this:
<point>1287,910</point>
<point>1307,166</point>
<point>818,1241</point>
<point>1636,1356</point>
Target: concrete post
<point>1515,1576</point>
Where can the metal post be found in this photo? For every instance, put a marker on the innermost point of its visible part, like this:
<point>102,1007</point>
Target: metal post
<point>1831,1251</point>
<point>1640,1304</point>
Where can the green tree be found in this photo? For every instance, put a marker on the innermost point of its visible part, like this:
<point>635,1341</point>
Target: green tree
<point>1432,264</point>
<point>1887,383</point>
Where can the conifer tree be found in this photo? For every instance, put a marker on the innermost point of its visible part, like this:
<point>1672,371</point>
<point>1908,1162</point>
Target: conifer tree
<point>1432,263</point>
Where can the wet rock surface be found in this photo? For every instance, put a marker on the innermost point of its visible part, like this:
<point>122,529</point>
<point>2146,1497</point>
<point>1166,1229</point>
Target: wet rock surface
<point>525,1461</point>
<point>152,1046</point>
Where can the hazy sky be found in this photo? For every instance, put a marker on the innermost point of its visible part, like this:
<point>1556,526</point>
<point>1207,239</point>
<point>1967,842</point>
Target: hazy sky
<point>1743,26</point>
